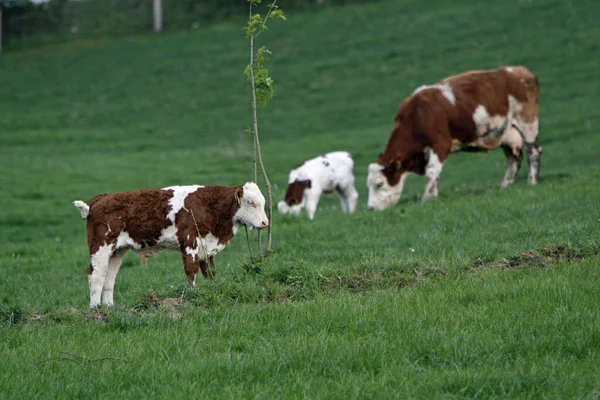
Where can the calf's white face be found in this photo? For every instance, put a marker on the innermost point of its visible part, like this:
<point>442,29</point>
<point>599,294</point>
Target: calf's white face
<point>252,208</point>
<point>284,208</point>
<point>381,194</point>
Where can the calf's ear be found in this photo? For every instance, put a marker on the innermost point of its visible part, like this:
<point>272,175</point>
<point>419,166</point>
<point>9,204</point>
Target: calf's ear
<point>239,193</point>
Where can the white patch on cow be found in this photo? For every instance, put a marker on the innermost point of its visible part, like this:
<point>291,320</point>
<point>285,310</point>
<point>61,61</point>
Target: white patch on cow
<point>84,209</point>
<point>510,69</point>
<point>381,194</point>
<point>434,165</point>
<point>486,124</point>
<point>212,245</point>
<point>125,241</point>
<point>420,88</point>
<point>446,90</point>
<point>108,231</point>
<point>193,251</point>
<point>252,208</point>
<point>481,116</point>
<point>514,105</point>
<point>179,195</point>
<point>100,261</point>
<point>433,169</point>
<point>168,238</point>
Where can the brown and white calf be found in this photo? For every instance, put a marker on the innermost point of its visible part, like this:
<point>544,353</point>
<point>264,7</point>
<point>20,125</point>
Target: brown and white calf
<point>331,172</point>
<point>199,221</point>
<point>473,111</point>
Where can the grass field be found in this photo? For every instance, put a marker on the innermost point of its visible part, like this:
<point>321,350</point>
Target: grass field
<point>499,298</point>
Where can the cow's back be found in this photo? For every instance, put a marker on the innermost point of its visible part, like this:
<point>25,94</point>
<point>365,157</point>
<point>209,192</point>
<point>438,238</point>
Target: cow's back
<point>141,213</point>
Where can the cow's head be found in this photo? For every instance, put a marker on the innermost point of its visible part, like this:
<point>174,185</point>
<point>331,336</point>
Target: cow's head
<point>252,207</point>
<point>294,197</point>
<point>385,184</point>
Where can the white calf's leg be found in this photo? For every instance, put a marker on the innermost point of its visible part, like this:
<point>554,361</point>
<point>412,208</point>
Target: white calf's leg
<point>432,174</point>
<point>109,283</point>
<point>348,198</point>
<point>99,261</point>
<point>343,199</point>
<point>312,197</point>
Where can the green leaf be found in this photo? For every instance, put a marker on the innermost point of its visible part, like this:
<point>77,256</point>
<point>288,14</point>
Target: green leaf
<point>278,14</point>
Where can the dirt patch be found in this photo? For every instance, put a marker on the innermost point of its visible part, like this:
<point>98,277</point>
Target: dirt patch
<point>168,306</point>
<point>538,257</point>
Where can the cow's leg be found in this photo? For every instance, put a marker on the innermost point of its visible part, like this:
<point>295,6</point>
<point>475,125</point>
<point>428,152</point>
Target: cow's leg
<point>191,265</point>
<point>514,157</point>
<point>534,152</point>
<point>109,283</point>
<point>97,273</point>
<point>208,268</point>
<point>190,247</point>
<point>433,169</point>
<point>312,197</point>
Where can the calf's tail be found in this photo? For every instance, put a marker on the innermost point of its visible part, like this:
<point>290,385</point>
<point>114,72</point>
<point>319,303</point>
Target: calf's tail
<point>83,208</point>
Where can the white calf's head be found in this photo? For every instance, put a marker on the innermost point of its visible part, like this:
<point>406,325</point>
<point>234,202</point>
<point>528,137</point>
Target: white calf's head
<point>252,207</point>
<point>385,185</point>
<point>284,208</point>
<point>293,201</point>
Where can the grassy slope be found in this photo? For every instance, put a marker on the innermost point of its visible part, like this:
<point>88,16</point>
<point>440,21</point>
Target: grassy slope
<point>155,111</point>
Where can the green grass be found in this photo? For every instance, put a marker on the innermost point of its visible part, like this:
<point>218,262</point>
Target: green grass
<point>344,307</point>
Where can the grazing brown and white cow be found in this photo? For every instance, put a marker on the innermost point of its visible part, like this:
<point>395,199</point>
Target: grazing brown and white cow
<point>473,111</point>
<point>199,221</point>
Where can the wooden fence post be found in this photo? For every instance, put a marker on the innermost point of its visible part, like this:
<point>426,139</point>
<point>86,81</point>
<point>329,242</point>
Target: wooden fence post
<point>158,15</point>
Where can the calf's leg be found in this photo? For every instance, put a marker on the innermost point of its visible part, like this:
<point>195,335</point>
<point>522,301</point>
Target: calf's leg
<point>348,197</point>
<point>208,268</point>
<point>97,273</point>
<point>191,265</point>
<point>114,264</point>
<point>190,249</point>
<point>312,201</point>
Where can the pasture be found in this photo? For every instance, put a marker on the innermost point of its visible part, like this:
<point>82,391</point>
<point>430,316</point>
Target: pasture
<point>480,293</point>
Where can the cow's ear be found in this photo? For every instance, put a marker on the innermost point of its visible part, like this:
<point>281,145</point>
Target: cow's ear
<point>398,164</point>
<point>239,193</point>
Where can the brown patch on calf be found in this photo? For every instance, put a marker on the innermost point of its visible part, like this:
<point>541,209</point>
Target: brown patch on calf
<point>213,208</point>
<point>295,191</point>
<point>141,213</point>
<point>208,268</point>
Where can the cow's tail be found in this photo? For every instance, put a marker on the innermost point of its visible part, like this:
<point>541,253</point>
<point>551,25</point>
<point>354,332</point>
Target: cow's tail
<point>83,208</point>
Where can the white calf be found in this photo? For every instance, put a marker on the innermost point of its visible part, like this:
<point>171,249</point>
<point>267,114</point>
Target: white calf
<point>323,174</point>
